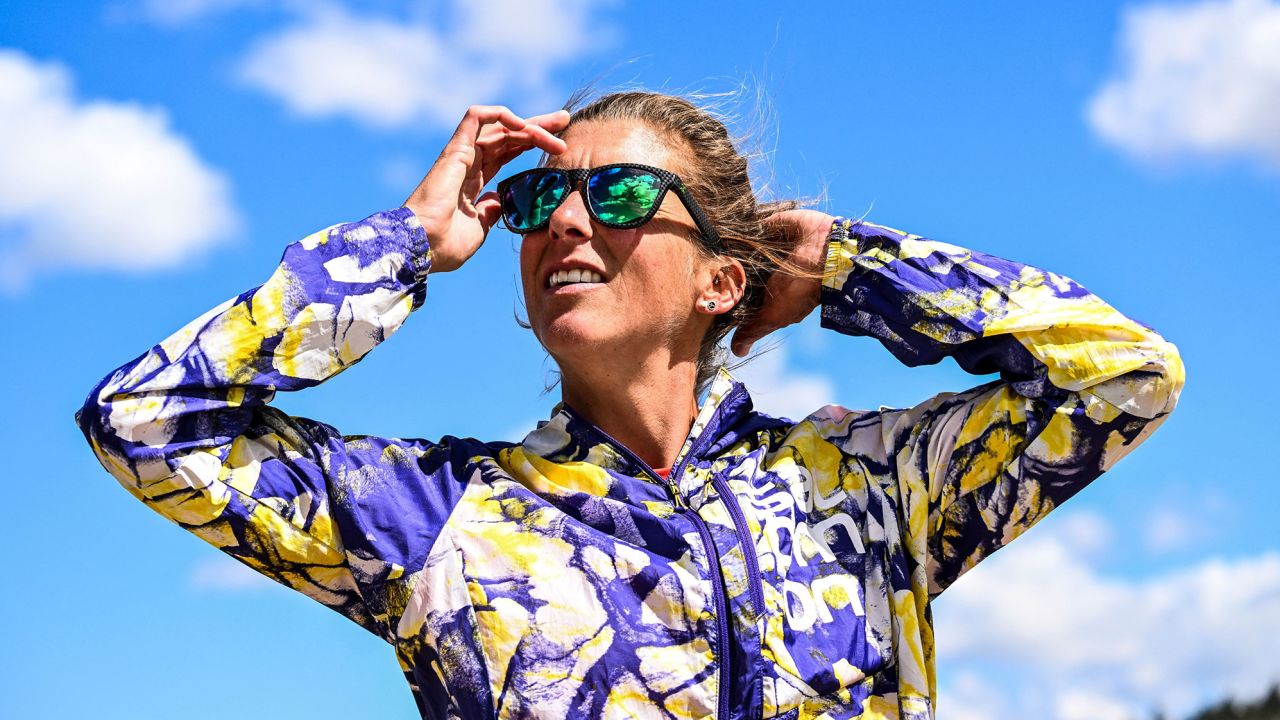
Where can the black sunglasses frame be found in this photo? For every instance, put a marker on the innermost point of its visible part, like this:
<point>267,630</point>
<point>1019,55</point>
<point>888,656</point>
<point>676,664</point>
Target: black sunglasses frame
<point>577,178</point>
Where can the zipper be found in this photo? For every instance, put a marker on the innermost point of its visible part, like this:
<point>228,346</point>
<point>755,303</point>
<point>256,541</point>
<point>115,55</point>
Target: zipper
<point>721,595</point>
<point>671,486</point>
<point>754,581</point>
<point>722,621</point>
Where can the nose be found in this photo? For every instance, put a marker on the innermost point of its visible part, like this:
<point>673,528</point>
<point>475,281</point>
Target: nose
<point>571,221</point>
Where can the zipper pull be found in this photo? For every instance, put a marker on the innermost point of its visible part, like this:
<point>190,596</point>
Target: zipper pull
<point>676,497</point>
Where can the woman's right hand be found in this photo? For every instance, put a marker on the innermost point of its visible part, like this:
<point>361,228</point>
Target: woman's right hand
<point>455,216</point>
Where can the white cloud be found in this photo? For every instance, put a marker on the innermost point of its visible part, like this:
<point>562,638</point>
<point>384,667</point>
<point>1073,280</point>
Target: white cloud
<point>778,391</point>
<point>183,12</point>
<point>392,73</point>
<point>970,696</point>
<point>380,72</point>
<point>96,184</point>
<point>1087,532</point>
<point>1166,530</point>
<point>1082,704</point>
<point>219,572</point>
<point>1097,646</point>
<point>1198,79</point>
<point>534,33</point>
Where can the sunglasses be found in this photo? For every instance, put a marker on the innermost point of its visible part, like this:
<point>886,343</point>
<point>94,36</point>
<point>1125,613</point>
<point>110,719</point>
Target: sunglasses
<point>622,195</point>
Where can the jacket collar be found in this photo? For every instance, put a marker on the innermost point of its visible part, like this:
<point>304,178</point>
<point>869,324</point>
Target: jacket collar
<point>567,436</point>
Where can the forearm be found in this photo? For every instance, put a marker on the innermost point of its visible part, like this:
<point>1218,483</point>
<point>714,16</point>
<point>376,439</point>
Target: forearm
<point>1082,386</point>
<point>185,427</point>
<point>335,295</point>
<point>926,300</point>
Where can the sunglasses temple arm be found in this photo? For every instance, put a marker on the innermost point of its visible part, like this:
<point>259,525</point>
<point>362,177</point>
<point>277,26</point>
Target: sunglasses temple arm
<point>699,217</point>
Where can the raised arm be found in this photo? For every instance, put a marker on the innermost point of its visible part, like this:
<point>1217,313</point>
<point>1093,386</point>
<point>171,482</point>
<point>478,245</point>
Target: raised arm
<point>186,427</point>
<point>1080,384</point>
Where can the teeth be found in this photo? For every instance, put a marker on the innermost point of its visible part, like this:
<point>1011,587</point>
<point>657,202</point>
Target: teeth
<point>565,277</point>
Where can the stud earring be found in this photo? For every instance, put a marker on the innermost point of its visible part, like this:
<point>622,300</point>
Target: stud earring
<point>711,305</point>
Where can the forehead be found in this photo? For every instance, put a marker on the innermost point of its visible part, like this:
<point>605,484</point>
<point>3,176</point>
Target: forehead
<point>596,143</point>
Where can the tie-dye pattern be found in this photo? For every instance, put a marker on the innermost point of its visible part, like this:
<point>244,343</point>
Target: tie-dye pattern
<point>784,570</point>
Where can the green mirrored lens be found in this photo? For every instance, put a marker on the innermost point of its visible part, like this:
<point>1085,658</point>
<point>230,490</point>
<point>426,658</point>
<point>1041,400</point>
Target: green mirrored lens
<point>530,199</point>
<point>623,195</point>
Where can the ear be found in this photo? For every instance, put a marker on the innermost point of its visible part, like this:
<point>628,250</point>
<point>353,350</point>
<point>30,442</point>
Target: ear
<point>722,281</point>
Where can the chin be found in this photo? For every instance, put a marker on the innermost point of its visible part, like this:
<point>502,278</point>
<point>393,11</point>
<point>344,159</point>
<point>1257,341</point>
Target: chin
<point>569,335</point>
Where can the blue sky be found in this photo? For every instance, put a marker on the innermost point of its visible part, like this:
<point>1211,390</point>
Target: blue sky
<point>156,157</point>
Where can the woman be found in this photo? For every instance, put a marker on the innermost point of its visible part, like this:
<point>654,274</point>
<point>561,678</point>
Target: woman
<point>637,555</point>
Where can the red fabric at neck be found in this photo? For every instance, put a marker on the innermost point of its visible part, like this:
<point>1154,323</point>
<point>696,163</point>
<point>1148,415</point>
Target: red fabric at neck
<point>663,472</point>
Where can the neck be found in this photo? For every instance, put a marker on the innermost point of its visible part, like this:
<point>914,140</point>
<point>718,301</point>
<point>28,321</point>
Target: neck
<point>648,404</point>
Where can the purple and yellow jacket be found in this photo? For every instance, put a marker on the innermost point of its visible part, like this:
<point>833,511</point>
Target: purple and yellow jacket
<point>784,570</point>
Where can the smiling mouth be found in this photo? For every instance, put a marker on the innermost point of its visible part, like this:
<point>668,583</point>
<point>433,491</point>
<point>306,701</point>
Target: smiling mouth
<point>573,277</point>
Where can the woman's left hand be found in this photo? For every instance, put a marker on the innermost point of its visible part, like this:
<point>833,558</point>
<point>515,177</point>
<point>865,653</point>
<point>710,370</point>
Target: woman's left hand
<point>789,299</point>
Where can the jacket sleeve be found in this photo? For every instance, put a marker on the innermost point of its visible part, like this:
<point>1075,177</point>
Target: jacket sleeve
<point>187,430</point>
<point>1081,386</point>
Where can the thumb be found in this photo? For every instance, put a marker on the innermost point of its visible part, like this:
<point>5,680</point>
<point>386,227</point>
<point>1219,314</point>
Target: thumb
<point>743,338</point>
<point>489,208</point>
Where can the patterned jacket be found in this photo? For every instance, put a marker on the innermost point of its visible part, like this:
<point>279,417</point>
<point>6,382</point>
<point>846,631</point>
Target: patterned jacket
<point>785,569</point>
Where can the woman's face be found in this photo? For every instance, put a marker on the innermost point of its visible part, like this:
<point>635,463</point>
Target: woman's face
<point>646,296</point>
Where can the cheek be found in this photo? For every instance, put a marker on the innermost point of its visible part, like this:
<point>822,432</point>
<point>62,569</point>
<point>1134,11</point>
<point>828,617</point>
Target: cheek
<point>529,253</point>
<point>528,286</point>
<point>665,281</point>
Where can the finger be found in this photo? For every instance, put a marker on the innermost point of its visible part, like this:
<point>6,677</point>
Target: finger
<point>768,318</point>
<point>477,157</point>
<point>500,145</point>
<point>500,142</point>
<point>474,122</point>
<point>746,336</point>
<point>532,135</point>
<point>540,138</point>
<point>541,129</point>
<point>493,163</point>
<point>552,121</point>
<point>484,114</point>
<point>782,217</point>
<point>489,209</point>
<point>492,136</point>
<point>457,160</point>
<point>500,152</point>
<point>457,170</point>
<point>786,226</point>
